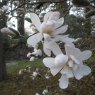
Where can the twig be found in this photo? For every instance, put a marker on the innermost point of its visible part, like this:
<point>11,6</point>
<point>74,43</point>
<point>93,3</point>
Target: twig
<point>34,4</point>
<point>68,11</point>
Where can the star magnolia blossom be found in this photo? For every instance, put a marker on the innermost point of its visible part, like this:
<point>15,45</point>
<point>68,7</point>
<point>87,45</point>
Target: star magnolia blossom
<point>37,52</point>
<point>69,65</point>
<point>51,30</point>
<point>29,54</point>
<point>32,58</point>
<point>5,8</point>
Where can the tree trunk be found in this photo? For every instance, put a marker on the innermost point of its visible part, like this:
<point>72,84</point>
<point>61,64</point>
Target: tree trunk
<point>2,60</point>
<point>21,24</point>
<point>21,14</point>
<point>3,73</point>
<point>2,55</point>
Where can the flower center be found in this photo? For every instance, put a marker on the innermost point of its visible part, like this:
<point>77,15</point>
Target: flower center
<point>48,31</point>
<point>47,28</point>
<point>70,63</point>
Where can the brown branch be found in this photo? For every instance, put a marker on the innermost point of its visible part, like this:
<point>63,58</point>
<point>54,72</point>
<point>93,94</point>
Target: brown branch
<point>67,11</point>
<point>48,1</point>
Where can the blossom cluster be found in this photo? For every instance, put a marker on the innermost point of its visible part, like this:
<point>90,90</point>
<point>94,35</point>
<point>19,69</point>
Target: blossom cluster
<point>35,54</point>
<point>51,32</point>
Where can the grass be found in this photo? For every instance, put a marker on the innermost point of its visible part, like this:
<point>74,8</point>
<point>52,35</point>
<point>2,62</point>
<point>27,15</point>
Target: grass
<point>23,64</point>
<point>37,63</point>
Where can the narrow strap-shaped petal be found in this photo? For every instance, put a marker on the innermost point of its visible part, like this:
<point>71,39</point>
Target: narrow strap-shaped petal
<point>54,16</point>
<point>85,70</point>
<point>63,82</point>
<point>54,47</point>
<point>86,54</point>
<point>77,73</point>
<point>35,20</point>
<point>59,22</point>
<point>34,40</point>
<point>61,30</point>
<point>46,16</point>
<point>54,70</point>
<point>67,40</point>
<point>48,62</point>
<point>80,71</point>
<point>77,61</point>
<point>69,49</point>
<point>67,71</point>
<point>46,50</point>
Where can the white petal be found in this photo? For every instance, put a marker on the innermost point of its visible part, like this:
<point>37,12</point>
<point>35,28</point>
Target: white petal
<point>61,30</point>
<point>86,54</point>
<point>61,59</point>
<point>46,17</point>
<point>80,71</point>
<point>32,58</point>
<point>54,16</point>
<point>49,62</point>
<point>85,70</point>
<point>59,22</point>
<point>54,70</point>
<point>52,46</point>
<point>71,50</point>
<point>34,40</point>
<point>67,71</point>
<point>63,82</point>
<point>47,37</point>
<point>77,72</point>
<point>29,54</point>
<point>46,49</point>
<point>55,48</point>
<point>67,40</point>
<point>75,59</point>
<point>35,20</point>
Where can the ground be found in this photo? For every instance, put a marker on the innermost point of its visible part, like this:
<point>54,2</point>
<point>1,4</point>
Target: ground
<point>24,84</point>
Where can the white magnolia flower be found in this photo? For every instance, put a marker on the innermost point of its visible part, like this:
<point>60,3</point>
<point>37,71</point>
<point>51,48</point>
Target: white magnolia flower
<point>37,94</point>
<point>45,92</point>
<point>70,65</point>
<point>5,8</point>
<point>49,29</point>
<point>32,58</point>
<point>35,74</point>
<point>37,52</point>
<point>20,72</point>
<point>29,55</point>
<point>75,55</point>
<point>55,64</point>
